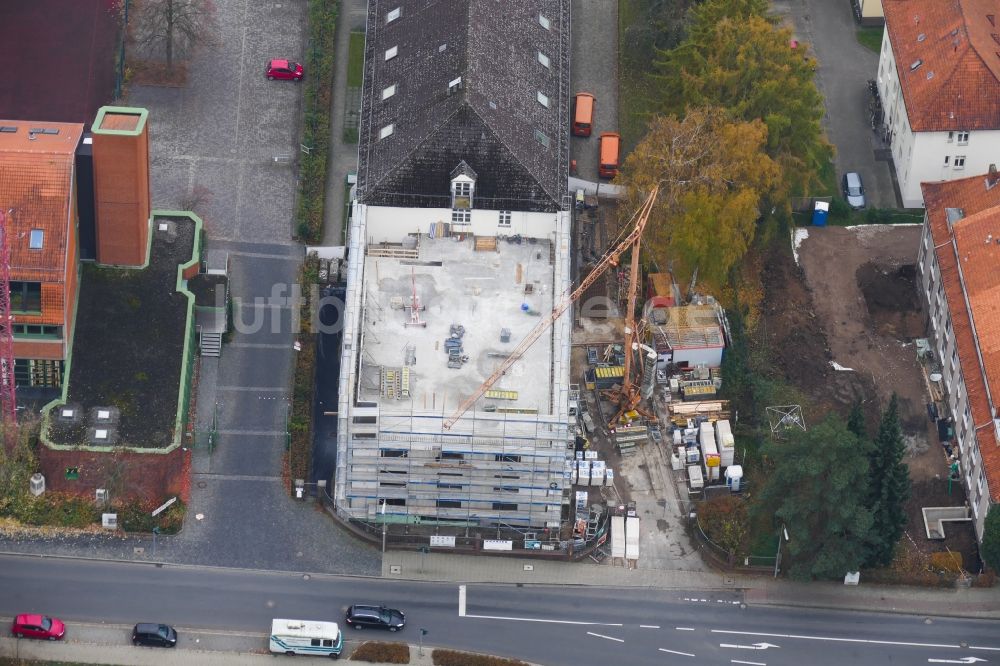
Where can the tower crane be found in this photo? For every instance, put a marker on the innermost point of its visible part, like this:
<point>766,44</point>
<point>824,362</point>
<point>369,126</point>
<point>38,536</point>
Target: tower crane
<point>631,241</point>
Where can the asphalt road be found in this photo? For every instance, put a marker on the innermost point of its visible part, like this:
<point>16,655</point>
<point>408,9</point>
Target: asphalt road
<point>568,626</point>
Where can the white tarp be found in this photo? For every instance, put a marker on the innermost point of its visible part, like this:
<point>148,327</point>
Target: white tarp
<point>617,536</point>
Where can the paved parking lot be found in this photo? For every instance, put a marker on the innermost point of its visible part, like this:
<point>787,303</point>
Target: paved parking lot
<point>594,69</point>
<point>220,135</point>
<point>844,70</point>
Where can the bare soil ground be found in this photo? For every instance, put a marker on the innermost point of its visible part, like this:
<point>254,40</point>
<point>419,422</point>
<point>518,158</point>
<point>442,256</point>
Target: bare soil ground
<point>855,301</point>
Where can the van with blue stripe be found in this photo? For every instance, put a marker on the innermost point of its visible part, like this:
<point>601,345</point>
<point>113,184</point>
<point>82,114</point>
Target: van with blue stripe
<point>306,637</point>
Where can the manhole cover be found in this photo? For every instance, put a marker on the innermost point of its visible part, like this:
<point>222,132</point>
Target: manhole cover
<point>202,484</point>
<point>395,569</point>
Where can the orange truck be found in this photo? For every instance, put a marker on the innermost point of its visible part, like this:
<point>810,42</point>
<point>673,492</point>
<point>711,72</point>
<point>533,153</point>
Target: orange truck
<point>610,152</point>
<point>583,114</point>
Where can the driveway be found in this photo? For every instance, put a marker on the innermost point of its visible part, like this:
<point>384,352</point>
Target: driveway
<point>594,69</point>
<point>844,70</point>
<point>214,143</point>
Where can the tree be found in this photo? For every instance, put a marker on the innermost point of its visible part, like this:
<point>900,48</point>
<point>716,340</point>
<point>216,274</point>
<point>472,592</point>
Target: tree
<point>813,491</point>
<point>990,547</point>
<point>889,487</point>
<point>173,26</point>
<point>856,421</point>
<point>712,173</point>
<point>737,59</point>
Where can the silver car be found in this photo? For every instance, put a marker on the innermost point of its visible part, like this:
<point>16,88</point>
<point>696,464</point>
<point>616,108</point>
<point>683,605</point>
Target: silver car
<point>854,191</point>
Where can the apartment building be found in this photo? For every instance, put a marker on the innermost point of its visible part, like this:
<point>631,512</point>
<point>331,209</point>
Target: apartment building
<point>939,82</point>
<point>959,262</point>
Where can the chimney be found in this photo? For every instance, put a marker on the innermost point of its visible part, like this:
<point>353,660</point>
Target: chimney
<point>121,185</point>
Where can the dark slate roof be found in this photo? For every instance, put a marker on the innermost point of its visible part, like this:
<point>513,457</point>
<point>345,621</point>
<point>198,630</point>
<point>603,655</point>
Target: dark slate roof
<point>491,121</point>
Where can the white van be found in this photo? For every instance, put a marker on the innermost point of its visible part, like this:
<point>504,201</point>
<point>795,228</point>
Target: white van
<point>306,637</point>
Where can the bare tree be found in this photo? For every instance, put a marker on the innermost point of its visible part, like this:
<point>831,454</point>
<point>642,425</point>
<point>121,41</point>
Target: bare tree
<point>173,26</point>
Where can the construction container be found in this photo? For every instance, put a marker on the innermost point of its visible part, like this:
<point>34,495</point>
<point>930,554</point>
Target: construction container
<point>709,452</point>
<point>609,477</point>
<point>734,478</point>
<point>597,470</point>
<point>724,438</point>
<point>696,481</point>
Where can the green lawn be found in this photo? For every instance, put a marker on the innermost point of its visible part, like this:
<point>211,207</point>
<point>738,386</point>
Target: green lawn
<point>356,60</point>
<point>870,38</point>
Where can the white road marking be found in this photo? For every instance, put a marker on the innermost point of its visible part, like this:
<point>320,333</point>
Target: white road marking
<point>683,654</point>
<point>610,638</point>
<point>755,646</point>
<point>749,663</point>
<point>461,601</point>
<point>963,660</point>
<point>539,619</point>
<point>979,647</point>
<point>836,640</point>
<point>684,628</point>
<point>649,626</point>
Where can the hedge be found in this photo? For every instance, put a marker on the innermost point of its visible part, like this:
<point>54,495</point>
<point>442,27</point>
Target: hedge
<point>316,120</point>
<point>300,420</point>
<point>454,658</point>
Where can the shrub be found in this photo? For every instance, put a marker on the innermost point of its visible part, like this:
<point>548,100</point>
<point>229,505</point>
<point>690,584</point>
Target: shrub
<point>947,562</point>
<point>455,658</point>
<point>382,653</point>
<point>300,419</point>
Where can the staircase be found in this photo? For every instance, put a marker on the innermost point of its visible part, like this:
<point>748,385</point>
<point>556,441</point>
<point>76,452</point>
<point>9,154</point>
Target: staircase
<point>211,344</point>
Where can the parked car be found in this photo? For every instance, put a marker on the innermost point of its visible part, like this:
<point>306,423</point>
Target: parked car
<point>854,191</point>
<point>154,635</point>
<point>376,617</point>
<point>38,626</point>
<point>284,69</point>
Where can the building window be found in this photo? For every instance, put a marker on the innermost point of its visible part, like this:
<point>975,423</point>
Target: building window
<point>35,239</point>
<point>959,161</point>
<point>449,504</point>
<point>506,489</point>
<point>947,160</point>
<point>38,372</point>
<point>390,53</point>
<point>543,99</point>
<point>504,506</point>
<point>544,21</point>
<point>441,49</point>
<point>449,455</point>
<point>461,194</point>
<point>542,138</point>
<point>951,137</point>
<point>505,218</point>
<point>37,331</point>
<point>393,15</point>
<point>963,138</point>
<point>454,85</point>
<point>507,457</point>
<point>385,132</point>
<point>544,59</point>
<point>393,453</point>
<point>449,486</point>
<point>461,216</point>
<point>389,91</point>
<point>25,296</point>
<point>393,501</point>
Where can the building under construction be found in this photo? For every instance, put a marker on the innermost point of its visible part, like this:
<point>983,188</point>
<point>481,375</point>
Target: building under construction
<point>458,247</point>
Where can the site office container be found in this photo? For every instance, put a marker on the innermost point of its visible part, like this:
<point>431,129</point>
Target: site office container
<point>709,452</point>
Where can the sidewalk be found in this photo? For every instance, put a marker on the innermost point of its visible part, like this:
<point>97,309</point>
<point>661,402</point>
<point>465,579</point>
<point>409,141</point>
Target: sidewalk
<point>762,590</point>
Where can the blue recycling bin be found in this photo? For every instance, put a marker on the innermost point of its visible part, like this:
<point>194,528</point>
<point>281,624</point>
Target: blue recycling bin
<point>820,212</point>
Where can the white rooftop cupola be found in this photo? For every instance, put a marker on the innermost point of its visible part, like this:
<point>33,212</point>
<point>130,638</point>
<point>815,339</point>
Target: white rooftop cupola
<point>463,185</point>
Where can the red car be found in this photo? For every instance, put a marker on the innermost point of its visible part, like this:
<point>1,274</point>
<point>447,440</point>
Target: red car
<point>284,69</point>
<point>38,626</point>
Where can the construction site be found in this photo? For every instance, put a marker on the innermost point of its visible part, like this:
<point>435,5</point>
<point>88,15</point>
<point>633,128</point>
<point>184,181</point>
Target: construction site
<point>460,414</point>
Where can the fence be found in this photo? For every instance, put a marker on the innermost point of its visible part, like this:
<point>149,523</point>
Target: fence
<point>726,560</point>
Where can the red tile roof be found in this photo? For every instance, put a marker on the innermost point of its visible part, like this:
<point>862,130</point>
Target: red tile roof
<point>36,182</point>
<point>978,278</point>
<point>948,61</point>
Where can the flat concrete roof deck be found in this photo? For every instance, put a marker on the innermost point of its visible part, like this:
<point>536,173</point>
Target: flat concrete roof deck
<point>482,291</point>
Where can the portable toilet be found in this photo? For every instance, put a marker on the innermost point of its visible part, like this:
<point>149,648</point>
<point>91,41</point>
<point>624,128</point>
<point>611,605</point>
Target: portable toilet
<point>820,212</point>
<point>734,477</point>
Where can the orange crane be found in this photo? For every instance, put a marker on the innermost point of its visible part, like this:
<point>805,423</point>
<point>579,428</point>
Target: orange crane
<point>610,259</point>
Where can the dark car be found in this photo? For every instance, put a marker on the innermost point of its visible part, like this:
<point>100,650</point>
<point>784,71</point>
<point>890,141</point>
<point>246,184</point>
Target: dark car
<point>38,626</point>
<point>284,69</point>
<point>154,635</point>
<point>375,617</point>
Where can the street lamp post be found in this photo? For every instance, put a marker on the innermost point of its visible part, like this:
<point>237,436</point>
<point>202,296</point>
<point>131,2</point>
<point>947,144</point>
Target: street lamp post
<point>383,526</point>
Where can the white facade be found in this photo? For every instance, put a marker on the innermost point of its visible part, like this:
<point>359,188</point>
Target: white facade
<point>943,343</point>
<point>387,224</point>
<point>927,156</point>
